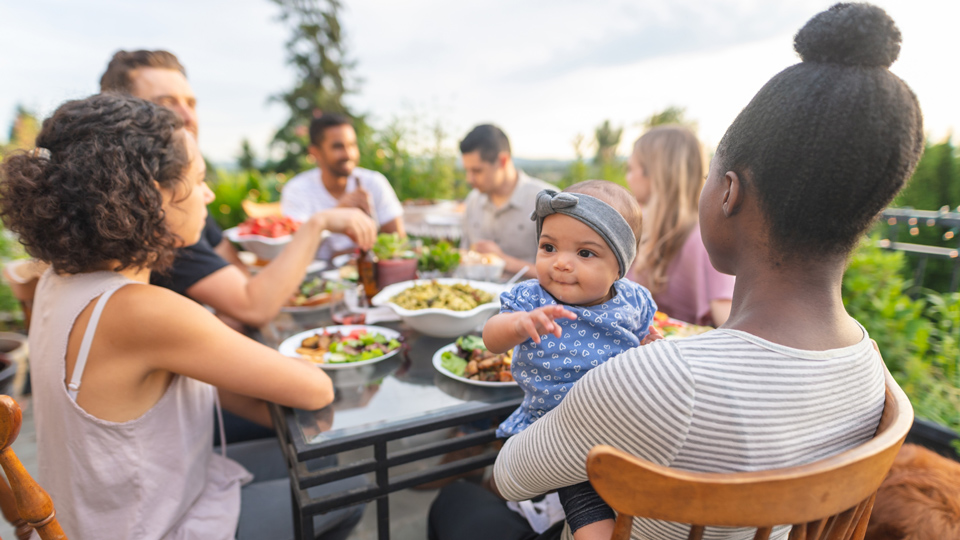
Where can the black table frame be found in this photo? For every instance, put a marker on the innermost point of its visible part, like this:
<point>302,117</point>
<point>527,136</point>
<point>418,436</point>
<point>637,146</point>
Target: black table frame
<point>297,451</point>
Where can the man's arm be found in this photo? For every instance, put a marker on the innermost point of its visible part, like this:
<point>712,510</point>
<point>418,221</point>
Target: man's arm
<point>229,253</point>
<point>255,300</point>
<point>394,226</point>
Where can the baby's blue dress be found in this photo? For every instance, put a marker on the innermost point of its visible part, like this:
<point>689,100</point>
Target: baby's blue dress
<point>547,371</point>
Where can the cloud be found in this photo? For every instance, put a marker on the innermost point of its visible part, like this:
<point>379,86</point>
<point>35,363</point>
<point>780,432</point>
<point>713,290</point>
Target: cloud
<point>681,28</point>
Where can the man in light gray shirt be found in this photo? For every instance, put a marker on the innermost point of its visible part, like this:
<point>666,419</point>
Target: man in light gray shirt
<point>497,217</point>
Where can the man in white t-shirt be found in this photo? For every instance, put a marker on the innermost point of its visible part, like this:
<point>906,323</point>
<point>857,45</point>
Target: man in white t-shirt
<point>338,182</point>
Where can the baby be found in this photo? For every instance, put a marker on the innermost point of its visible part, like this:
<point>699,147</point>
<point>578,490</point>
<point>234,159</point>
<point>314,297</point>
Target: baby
<point>578,313</point>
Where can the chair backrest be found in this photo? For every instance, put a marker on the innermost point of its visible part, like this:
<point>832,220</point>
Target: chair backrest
<point>830,499</point>
<point>8,507</point>
<point>33,504</point>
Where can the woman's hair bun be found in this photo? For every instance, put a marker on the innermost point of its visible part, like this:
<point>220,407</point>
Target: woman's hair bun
<point>851,35</point>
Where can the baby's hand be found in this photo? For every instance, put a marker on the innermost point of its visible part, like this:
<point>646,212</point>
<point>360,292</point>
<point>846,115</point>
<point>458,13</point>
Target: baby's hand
<point>540,321</point>
<point>653,335</point>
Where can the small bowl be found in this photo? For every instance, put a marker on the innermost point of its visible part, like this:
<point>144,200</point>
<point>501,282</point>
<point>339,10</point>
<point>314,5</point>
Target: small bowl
<point>480,266</point>
<point>262,246</point>
<point>442,322</point>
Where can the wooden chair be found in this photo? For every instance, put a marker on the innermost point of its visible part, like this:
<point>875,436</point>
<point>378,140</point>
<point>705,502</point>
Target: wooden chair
<point>33,505</point>
<point>8,507</point>
<point>827,500</point>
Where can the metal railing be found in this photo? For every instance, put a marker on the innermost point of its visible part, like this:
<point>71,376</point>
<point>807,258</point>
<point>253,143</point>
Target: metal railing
<point>897,218</point>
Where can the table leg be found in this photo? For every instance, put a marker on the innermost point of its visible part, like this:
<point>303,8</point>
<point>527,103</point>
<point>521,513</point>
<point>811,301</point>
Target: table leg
<point>302,525</point>
<point>383,479</point>
<point>297,519</point>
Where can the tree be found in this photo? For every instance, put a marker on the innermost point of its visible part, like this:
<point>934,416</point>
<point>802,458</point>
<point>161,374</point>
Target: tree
<point>936,181</point>
<point>317,54</point>
<point>247,160</point>
<point>577,172</point>
<point>608,139</point>
<point>23,131</point>
<point>670,115</point>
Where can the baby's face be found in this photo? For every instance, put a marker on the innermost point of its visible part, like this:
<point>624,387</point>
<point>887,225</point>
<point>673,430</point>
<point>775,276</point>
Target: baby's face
<point>574,263</point>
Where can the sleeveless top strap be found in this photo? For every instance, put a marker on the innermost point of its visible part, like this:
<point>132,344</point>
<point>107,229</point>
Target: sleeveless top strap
<point>78,368</point>
<point>223,431</point>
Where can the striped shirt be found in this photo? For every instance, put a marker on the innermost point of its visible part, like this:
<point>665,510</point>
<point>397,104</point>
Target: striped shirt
<point>724,401</point>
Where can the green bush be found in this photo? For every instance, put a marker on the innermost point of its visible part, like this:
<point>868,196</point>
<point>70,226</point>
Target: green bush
<point>918,338</point>
<point>875,293</point>
<point>11,316</point>
<point>230,189</point>
<point>418,166</point>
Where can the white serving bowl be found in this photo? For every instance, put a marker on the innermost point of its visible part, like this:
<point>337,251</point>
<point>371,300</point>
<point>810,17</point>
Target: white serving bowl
<point>442,322</point>
<point>262,246</point>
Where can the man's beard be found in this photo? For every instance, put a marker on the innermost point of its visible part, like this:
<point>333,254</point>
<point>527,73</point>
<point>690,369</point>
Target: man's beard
<point>343,168</point>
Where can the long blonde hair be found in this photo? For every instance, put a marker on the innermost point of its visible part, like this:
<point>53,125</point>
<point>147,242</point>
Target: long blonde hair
<point>672,159</point>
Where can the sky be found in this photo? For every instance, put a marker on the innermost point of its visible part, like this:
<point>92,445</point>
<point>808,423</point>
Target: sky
<point>544,70</point>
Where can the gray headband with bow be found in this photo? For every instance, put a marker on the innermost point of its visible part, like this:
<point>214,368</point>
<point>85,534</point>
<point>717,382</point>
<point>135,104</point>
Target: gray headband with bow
<point>596,214</point>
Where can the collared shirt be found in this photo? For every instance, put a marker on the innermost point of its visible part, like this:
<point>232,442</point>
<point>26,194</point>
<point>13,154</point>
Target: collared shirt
<point>305,195</point>
<point>508,226</point>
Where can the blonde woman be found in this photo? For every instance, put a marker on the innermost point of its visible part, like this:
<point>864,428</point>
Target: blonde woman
<point>666,173</point>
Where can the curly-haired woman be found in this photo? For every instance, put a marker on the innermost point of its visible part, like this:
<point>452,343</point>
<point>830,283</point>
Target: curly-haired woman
<point>126,374</point>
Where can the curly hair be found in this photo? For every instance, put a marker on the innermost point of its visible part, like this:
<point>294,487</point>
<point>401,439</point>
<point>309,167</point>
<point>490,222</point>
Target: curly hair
<point>88,196</point>
<point>827,143</point>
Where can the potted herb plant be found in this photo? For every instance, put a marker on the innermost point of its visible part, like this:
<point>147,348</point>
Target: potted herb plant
<point>395,261</point>
<point>438,260</point>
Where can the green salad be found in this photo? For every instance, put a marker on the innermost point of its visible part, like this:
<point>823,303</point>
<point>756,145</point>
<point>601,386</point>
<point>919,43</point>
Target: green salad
<point>472,360</point>
<point>338,348</point>
<point>456,362</point>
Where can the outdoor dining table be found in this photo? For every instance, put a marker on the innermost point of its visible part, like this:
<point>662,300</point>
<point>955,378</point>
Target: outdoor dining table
<point>384,409</point>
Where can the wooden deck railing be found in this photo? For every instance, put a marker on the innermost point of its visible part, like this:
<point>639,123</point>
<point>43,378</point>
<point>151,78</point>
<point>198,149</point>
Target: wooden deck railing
<point>898,218</point>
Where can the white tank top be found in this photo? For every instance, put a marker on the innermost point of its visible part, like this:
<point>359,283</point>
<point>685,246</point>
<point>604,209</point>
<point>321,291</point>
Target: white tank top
<point>155,477</point>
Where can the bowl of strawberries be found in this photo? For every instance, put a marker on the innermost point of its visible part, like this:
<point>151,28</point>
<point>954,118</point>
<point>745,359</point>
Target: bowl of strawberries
<point>264,236</point>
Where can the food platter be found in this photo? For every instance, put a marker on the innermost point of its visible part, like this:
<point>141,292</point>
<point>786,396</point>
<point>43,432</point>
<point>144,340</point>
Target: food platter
<point>290,345</point>
<point>442,322</point>
<point>675,329</point>
<point>323,294</point>
<point>438,365</point>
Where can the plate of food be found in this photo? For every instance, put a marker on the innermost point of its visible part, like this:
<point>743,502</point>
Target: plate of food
<point>674,329</point>
<point>469,361</point>
<point>314,294</point>
<point>344,346</point>
<point>343,273</point>
<point>442,307</point>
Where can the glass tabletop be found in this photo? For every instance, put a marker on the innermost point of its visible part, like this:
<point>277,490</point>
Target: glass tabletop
<point>390,393</point>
